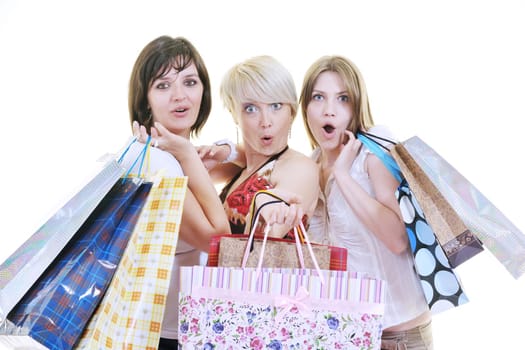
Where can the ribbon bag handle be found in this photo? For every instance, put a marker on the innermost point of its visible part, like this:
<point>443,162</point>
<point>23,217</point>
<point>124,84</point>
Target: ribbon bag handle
<point>143,156</point>
<point>255,220</point>
<point>381,152</point>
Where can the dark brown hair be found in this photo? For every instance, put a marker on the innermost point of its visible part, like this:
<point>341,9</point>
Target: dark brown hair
<point>154,61</point>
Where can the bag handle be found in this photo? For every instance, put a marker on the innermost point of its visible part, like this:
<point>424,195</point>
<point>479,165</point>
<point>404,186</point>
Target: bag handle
<point>266,232</point>
<point>144,154</point>
<point>256,212</point>
<point>267,229</point>
<point>381,152</point>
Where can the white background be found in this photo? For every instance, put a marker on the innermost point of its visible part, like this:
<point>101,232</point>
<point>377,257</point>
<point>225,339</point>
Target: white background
<point>451,72</point>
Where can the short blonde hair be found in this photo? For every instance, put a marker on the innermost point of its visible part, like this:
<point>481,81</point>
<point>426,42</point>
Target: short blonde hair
<point>258,79</point>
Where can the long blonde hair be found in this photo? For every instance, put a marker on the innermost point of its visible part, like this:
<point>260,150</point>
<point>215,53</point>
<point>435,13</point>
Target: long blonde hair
<point>361,116</point>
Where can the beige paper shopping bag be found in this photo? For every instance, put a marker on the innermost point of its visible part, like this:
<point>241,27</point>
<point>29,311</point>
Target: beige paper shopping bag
<point>457,241</point>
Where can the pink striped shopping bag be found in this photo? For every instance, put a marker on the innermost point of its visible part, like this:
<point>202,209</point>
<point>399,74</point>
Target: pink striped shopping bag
<point>279,308</point>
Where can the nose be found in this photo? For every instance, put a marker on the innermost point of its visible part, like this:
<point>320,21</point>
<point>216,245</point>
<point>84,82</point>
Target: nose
<point>266,120</point>
<point>329,109</point>
<point>177,92</point>
<point>329,112</point>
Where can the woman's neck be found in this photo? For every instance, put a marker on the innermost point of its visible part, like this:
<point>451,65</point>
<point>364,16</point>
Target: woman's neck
<point>254,160</point>
<point>327,158</point>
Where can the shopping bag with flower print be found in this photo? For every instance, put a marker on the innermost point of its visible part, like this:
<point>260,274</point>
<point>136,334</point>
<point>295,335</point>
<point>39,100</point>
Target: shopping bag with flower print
<point>279,308</point>
<point>241,308</point>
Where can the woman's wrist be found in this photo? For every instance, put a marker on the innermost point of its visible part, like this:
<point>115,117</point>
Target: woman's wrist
<point>233,151</point>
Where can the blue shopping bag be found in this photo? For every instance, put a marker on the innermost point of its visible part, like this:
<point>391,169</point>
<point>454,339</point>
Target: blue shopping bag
<point>24,266</point>
<point>57,308</point>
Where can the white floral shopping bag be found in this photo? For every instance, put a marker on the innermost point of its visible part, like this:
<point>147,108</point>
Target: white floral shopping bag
<point>274,308</point>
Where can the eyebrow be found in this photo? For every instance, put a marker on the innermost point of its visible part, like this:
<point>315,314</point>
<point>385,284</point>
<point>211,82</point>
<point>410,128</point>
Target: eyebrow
<point>324,92</point>
<point>171,76</point>
<point>190,75</point>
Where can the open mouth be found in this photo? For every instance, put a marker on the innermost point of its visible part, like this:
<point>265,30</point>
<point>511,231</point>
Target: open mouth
<point>329,128</point>
<point>266,140</point>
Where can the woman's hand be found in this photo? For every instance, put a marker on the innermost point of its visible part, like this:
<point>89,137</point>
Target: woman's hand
<point>164,139</point>
<point>140,132</point>
<point>349,151</point>
<point>213,155</point>
<point>280,213</point>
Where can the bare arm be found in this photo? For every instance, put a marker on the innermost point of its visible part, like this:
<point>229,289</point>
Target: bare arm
<point>197,225</point>
<point>213,156</point>
<point>296,180</point>
<point>381,215</point>
<point>203,214</point>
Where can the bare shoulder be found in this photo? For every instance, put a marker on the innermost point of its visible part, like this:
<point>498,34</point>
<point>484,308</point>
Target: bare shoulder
<point>294,158</point>
<point>297,173</point>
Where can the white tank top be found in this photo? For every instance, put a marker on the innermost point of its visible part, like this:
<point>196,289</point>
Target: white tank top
<point>335,223</point>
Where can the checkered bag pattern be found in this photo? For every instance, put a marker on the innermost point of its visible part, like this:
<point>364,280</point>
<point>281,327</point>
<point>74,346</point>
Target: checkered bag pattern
<point>130,315</point>
<point>59,306</point>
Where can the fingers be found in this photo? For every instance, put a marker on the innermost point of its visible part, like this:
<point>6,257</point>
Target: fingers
<point>209,150</point>
<point>136,129</point>
<point>160,129</point>
<point>155,133</point>
<point>143,134</point>
<point>350,136</point>
<point>294,215</point>
<point>353,143</point>
<point>203,151</point>
<point>288,196</point>
<point>155,136</point>
<point>140,132</point>
<point>282,214</point>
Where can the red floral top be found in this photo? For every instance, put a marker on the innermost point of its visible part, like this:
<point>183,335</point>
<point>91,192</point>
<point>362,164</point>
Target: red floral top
<point>237,203</point>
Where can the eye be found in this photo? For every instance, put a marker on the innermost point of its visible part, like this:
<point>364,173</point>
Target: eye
<point>317,97</point>
<point>344,98</point>
<point>249,108</point>
<point>162,85</point>
<point>276,106</point>
<point>191,82</point>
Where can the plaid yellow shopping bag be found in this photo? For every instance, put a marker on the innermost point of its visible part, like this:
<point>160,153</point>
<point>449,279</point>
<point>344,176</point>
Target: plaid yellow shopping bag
<point>131,313</point>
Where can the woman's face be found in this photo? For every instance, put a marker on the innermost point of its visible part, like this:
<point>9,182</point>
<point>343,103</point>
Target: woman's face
<point>329,111</point>
<point>175,99</point>
<point>265,126</point>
